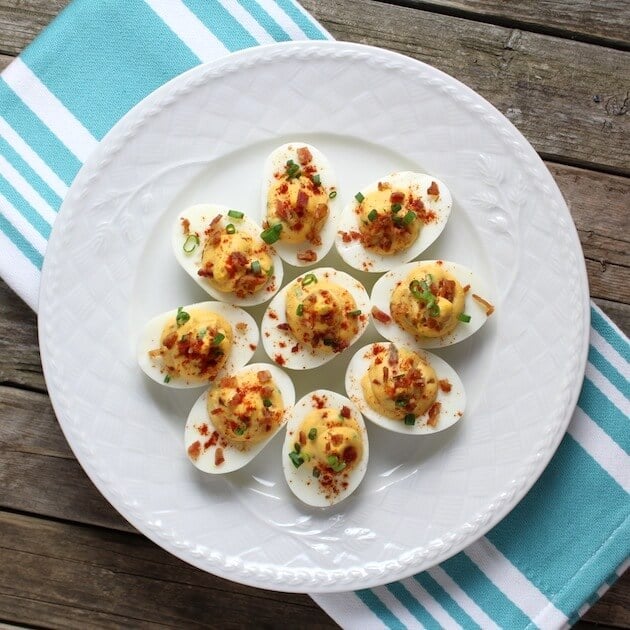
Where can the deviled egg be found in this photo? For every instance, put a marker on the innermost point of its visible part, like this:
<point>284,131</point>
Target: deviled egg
<point>299,198</point>
<point>314,318</point>
<point>431,304</point>
<point>392,221</point>
<point>234,419</point>
<point>191,346</point>
<point>326,449</point>
<point>405,391</point>
<point>221,250</point>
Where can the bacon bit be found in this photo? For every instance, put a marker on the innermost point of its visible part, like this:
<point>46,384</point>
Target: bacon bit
<point>380,316</point>
<point>383,185</point>
<point>446,289</point>
<point>296,348</point>
<point>466,288</point>
<point>228,381</point>
<point>252,347</point>
<point>218,457</point>
<point>392,354</point>
<point>283,344</point>
<point>307,256</point>
<point>336,439</point>
<point>301,202</point>
<point>194,450</point>
<point>304,155</point>
<point>214,438</point>
<point>241,327</point>
<point>345,412</point>
<point>236,261</point>
<point>348,237</point>
<point>263,376</point>
<point>445,385</point>
<point>349,455</point>
<point>433,189</point>
<point>434,412</point>
<point>397,197</point>
<point>203,429</point>
<point>169,340</point>
<point>216,411</point>
<point>319,401</point>
<point>283,326</point>
<point>279,359</point>
<point>185,225</point>
<point>489,308</point>
<point>302,438</point>
<point>385,372</point>
<point>273,315</point>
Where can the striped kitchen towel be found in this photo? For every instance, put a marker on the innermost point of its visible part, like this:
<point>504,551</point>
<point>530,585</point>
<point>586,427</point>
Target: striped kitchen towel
<point>558,550</point>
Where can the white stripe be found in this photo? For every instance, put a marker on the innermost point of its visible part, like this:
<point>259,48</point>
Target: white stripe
<point>610,354</point>
<point>506,577</point>
<point>18,272</point>
<point>189,28</point>
<point>49,109</point>
<point>32,159</point>
<point>247,21</point>
<point>608,389</point>
<point>396,608</point>
<point>36,201</point>
<point>466,603</point>
<point>432,606</point>
<point>284,21</point>
<point>601,447</point>
<point>14,217</point>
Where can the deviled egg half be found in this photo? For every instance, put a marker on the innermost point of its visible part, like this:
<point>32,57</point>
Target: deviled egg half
<point>299,201</point>
<point>326,449</point>
<point>392,221</point>
<point>221,250</point>
<point>192,345</point>
<point>314,318</point>
<point>431,304</point>
<point>403,390</point>
<point>234,419</point>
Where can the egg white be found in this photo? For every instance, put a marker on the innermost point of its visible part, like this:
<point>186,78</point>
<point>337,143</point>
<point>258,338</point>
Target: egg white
<point>452,403</point>
<point>200,217</point>
<point>363,259</point>
<point>278,343</point>
<point>233,456</point>
<point>301,481</point>
<point>276,161</point>
<point>244,342</point>
<point>382,292</point>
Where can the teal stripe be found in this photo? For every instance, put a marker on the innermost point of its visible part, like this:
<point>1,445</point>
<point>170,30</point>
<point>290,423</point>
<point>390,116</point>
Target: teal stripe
<point>33,179</point>
<point>485,594</point>
<point>446,601</point>
<point>599,407</point>
<point>24,208</point>
<point>265,20</point>
<point>37,135</point>
<point>610,334</point>
<point>108,56</point>
<point>419,612</point>
<point>309,27</point>
<point>609,371</point>
<point>231,33</point>
<point>561,514</point>
<point>379,609</point>
<point>20,242</point>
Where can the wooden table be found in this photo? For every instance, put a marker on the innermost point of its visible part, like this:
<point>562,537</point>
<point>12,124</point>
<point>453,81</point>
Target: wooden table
<point>559,71</point>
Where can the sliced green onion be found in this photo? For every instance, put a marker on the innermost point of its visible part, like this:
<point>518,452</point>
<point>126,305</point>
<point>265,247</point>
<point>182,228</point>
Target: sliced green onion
<point>396,207</point>
<point>272,234</point>
<point>201,333</point>
<point>299,311</point>
<point>434,310</point>
<point>218,338</point>
<point>312,434</point>
<point>167,378</point>
<point>410,419</point>
<point>410,217</point>
<point>296,447</point>
<point>256,268</point>
<point>372,215</point>
<point>269,271</point>
<point>359,197</point>
<point>292,169</point>
<point>355,313</point>
<point>266,402</point>
<point>401,402</point>
<point>236,214</point>
<point>182,316</point>
<point>335,464</point>
<point>190,244</point>
<point>333,194</point>
<point>316,472</point>
<point>309,278</point>
<point>414,287</point>
<point>316,179</point>
<point>463,318</point>
<point>240,430</point>
<point>296,458</point>
<point>230,229</point>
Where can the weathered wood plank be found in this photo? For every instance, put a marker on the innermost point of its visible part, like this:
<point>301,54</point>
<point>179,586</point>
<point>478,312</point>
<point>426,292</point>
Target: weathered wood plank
<point>604,21</point>
<point>5,60</point>
<point>614,608</point>
<point>619,313</point>
<point>62,573</point>
<point>573,115</point>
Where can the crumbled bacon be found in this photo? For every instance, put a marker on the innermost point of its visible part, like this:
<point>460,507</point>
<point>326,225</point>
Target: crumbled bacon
<point>284,326</point>
<point>170,339</point>
<point>228,381</point>
<point>397,197</point>
<point>445,385</point>
<point>185,225</point>
<point>194,450</point>
<point>489,308</point>
<point>345,412</point>
<point>380,316</point>
<point>301,202</point>
<point>304,155</point>
<point>264,376</point>
<point>218,457</point>
<point>393,354</point>
<point>307,256</point>
<point>434,412</point>
<point>302,438</point>
<point>433,189</point>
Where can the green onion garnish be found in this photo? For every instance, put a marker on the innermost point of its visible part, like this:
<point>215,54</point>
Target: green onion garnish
<point>269,271</point>
<point>434,310</point>
<point>235,214</point>
<point>359,197</point>
<point>218,338</point>
<point>414,287</point>
<point>167,378</point>
<point>355,313</point>
<point>240,430</point>
<point>299,311</point>
<point>312,434</point>
<point>272,234</point>
<point>201,333</point>
<point>316,472</point>
<point>410,217</point>
<point>296,447</point>
<point>230,229</point>
<point>292,169</point>
<point>296,458</point>
<point>401,402</point>
<point>396,207</point>
<point>410,419</point>
<point>266,402</point>
<point>309,278</point>
<point>316,179</point>
<point>333,194</point>
<point>463,318</point>
<point>335,464</point>
<point>256,268</point>
<point>190,244</point>
<point>373,214</point>
<point>182,316</point>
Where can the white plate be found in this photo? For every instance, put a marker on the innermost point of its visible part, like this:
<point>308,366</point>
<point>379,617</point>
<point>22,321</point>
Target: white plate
<point>203,137</point>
